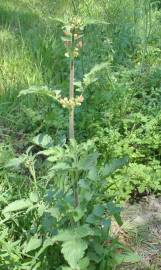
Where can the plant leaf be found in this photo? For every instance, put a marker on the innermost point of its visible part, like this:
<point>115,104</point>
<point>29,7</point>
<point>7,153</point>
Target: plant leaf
<point>76,233</point>
<point>129,257</point>
<point>114,165</point>
<point>59,166</point>
<point>43,140</point>
<point>34,197</point>
<point>14,162</point>
<point>78,214</point>
<point>98,210</point>
<point>89,161</point>
<point>33,244</point>
<point>41,91</point>
<point>17,206</point>
<point>115,211</point>
<point>84,263</point>
<point>73,251</point>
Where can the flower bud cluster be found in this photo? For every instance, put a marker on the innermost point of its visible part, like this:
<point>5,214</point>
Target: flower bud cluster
<point>76,23</point>
<point>72,102</point>
<point>72,54</point>
<point>72,38</point>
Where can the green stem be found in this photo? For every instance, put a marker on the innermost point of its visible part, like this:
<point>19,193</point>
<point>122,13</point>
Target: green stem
<point>33,174</point>
<point>71,95</point>
<point>76,199</point>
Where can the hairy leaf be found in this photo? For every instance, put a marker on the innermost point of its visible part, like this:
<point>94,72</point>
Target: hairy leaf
<point>115,211</point>
<point>76,233</point>
<point>84,263</point>
<point>89,161</point>
<point>17,206</point>
<point>15,162</point>
<point>73,251</point>
<point>33,244</point>
<point>43,140</point>
<point>40,90</point>
<point>114,165</point>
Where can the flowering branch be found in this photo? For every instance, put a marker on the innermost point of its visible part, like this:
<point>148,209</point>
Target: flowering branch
<point>73,42</point>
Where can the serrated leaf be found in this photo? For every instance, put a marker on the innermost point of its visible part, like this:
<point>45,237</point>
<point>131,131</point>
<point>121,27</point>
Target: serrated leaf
<point>48,223</point>
<point>47,243</point>
<point>98,210</point>
<point>84,263</point>
<point>91,219</point>
<point>33,244</point>
<point>43,140</point>
<point>40,91</point>
<point>89,161</point>
<point>75,233</point>
<point>113,166</point>
<point>14,162</point>
<point>33,90</point>
<point>115,211</point>
<point>93,256</point>
<point>93,173</point>
<point>17,206</point>
<point>73,251</point>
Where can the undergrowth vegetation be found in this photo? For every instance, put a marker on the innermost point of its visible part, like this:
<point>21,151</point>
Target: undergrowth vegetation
<point>92,67</point>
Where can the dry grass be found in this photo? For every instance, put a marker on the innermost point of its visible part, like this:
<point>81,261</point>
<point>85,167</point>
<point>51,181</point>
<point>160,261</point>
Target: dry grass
<point>141,231</point>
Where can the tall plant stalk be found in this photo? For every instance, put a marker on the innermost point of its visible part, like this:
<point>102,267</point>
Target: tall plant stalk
<point>71,96</point>
<point>73,31</point>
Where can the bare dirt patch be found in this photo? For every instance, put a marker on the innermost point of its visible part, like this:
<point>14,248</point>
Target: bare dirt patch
<point>141,231</point>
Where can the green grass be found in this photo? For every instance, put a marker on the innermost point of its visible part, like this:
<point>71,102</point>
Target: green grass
<point>30,55</point>
<point>29,47</point>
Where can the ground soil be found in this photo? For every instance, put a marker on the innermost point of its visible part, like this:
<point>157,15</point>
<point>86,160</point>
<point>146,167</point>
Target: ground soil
<point>141,231</point>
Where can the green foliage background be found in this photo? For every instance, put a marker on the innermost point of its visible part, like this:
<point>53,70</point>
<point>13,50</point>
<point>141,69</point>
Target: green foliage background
<point>122,109</point>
